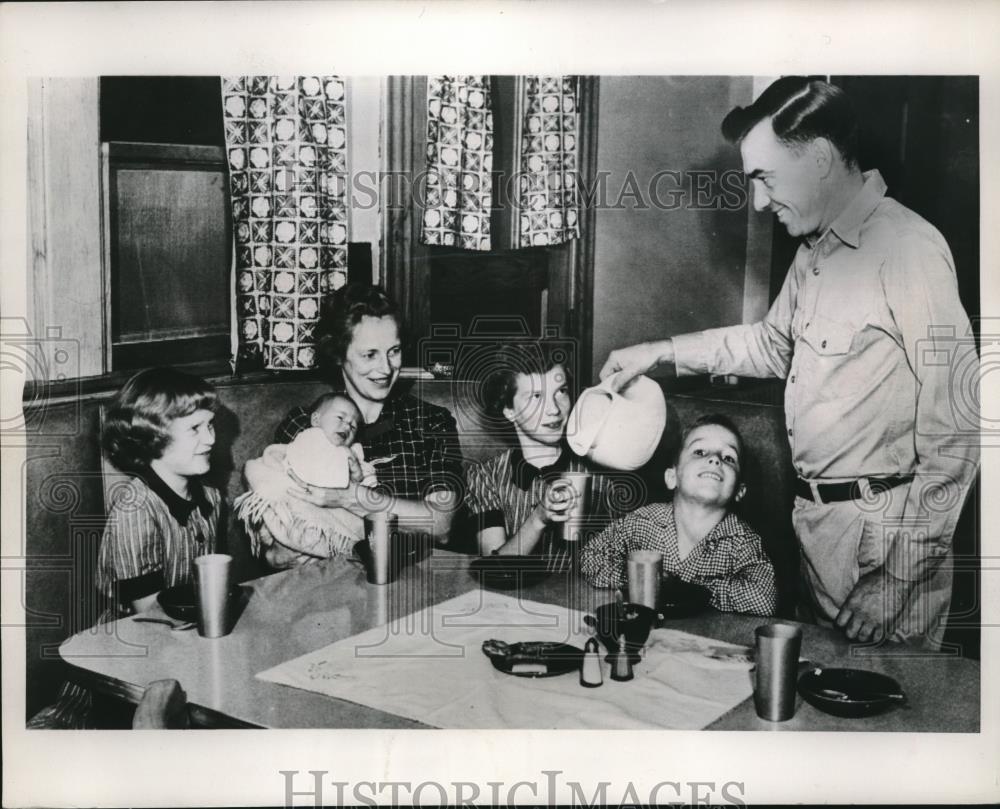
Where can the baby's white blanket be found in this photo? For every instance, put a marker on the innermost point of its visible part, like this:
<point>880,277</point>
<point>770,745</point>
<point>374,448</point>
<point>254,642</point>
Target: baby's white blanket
<point>307,529</point>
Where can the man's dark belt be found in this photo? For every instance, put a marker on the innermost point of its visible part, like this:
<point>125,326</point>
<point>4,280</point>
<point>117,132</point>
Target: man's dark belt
<point>852,490</point>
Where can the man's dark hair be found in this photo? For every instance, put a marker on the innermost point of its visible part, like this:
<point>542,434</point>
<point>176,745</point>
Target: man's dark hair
<point>800,110</point>
<point>512,359</point>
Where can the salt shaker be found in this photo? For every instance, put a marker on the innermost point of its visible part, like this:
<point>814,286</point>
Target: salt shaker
<point>621,666</point>
<point>590,672</point>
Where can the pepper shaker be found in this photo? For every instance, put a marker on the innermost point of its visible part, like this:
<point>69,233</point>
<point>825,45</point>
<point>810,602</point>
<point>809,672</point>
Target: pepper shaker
<point>621,666</point>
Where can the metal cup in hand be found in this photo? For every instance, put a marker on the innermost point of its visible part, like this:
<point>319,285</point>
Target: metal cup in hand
<point>212,584</point>
<point>776,670</point>
<point>574,486</point>
<point>645,569</point>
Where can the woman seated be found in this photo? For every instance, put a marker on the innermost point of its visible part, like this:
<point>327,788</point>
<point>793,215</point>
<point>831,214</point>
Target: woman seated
<point>414,443</point>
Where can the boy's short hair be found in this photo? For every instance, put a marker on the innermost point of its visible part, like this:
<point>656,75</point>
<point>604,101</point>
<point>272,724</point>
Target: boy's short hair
<point>512,359</point>
<point>329,397</point>
<point>718,420</point>
<point>137,423</point>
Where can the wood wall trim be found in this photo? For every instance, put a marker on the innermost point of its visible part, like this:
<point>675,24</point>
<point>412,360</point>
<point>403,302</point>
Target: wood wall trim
<point>582,320</point>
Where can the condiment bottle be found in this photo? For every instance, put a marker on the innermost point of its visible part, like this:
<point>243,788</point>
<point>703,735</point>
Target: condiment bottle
<point>621,666</point>
<point>590,672</point>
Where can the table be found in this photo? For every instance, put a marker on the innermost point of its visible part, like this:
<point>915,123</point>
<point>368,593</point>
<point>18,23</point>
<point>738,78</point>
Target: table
<point>297,611</point>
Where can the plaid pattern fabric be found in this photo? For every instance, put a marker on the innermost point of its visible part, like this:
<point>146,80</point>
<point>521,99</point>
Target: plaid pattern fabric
<point>504,490</point>
<point>423,438</point>
<point>730,561</point>
<point>286,149</point>
<point>548,197</point>
<point>459,189</point>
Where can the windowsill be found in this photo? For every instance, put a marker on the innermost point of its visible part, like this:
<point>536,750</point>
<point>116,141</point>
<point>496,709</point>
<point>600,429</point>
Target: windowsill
<point>218,373</point>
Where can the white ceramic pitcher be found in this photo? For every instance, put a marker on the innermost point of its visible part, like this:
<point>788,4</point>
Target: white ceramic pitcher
<point>618,430</point>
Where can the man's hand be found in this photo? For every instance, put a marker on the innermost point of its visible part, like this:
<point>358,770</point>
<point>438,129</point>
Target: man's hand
<point>637,359</point>
<point>873,607</point>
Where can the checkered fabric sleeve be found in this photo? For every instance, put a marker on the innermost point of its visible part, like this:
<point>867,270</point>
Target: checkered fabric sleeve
<point>603,558</point>
<point>291,425</point>
<point>445,452</point>
<point>737,571</point>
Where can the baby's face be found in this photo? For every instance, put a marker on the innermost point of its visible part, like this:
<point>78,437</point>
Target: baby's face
<point>338,419</point>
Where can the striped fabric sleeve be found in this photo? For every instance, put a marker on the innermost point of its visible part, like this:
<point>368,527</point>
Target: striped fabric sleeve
<point>130,547</point>
<point>482,498</point>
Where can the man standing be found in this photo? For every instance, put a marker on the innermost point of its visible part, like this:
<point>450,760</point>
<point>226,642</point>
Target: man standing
<point>867,330</point>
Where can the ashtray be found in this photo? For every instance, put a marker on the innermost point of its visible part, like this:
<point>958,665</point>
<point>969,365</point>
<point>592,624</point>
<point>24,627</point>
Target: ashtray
<point>181,603</point>
<point>682,599</point>
<point>850,692</point>
<point>533,658</point>
<point>507,572</point>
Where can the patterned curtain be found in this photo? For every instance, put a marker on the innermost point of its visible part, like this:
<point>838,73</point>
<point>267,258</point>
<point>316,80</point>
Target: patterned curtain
<point>286,148</point>
<point>548,197</point>
<point>459,186</point>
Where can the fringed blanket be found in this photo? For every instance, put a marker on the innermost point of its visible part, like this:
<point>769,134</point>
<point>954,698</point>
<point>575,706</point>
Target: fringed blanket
<point>271,515</point>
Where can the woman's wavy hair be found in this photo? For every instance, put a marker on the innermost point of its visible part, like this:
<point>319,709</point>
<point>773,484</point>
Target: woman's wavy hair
<point>513,359</point>
<point>137,422</point>
<point>342,311</point>
<point>800,109</point>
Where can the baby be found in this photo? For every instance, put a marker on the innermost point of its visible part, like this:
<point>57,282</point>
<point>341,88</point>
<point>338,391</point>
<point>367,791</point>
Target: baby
<point>287,529</point>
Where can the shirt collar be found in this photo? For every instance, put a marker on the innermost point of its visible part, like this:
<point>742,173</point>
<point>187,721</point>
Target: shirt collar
<point>847,226</point>
<point>180,509</point>
<point>727,526</point>
<point>524,474</point>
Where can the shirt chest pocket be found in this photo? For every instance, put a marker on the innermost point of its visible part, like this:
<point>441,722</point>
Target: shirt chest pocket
<point>828,338</point>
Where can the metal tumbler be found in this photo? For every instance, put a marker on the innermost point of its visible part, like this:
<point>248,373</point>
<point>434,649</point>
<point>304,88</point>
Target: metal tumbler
<point>578,486</point>
<point>380,529</point>
<point>212,582</point>
<point>645,569</point>
<point>777,663</point>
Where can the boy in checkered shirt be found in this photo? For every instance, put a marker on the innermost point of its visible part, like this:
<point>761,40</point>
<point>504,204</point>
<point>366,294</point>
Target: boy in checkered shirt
<point>701,540</point>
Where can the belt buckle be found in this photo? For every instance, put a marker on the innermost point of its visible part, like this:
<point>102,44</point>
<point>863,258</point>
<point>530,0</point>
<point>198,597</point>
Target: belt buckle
<point>814,488</point>
<point>865,491</point>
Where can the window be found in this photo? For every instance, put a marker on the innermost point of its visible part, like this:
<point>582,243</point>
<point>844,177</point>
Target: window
<point>167,254</point>
<point>167,238</point>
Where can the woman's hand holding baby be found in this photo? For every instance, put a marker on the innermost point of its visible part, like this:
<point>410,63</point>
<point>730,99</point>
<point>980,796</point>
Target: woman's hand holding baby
<point>348,497</point>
